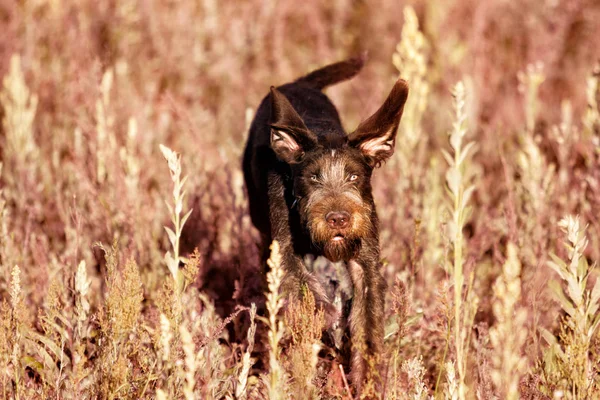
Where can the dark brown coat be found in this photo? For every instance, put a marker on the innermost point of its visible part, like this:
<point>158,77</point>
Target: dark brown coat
<point>309,187</point>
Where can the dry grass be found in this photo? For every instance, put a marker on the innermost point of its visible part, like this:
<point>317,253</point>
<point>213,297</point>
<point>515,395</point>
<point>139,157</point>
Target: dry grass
<point>106,292</point>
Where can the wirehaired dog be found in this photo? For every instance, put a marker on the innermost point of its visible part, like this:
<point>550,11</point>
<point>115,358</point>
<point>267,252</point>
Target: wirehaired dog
<point>309,187</point>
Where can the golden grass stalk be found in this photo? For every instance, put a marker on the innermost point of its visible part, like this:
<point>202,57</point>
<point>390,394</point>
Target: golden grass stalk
<point>19,106</point>
<point>9,247</point>
<point>460,192</point>
<point>415,371</point>
<point>16,325</point>
<point>537,176</point>
<point>105,120</point>
<point>452,390</point>
<point>529,83</point>
<point>211,370</point>
<point>119,325</point>
<point>15,287</point>
<point>433,207</point>
<point>591,118</point>
<point>172,257</point>
<point>3,226</point>
<point>131,162</point>
<point>582,307</point>
<point>124,299</point>
<point>240,390</point>
<point>166,335</point>
<point>6,336</point>
<point>305,324</point>
<point>410,59</point>
<point>275,381</point>
<point>187,343</point>
<point>400,307</point>
<point>565,134</point>
<point>82,287</point>
<point>509,333</point>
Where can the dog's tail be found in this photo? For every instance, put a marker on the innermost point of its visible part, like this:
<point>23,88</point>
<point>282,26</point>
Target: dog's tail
<point>333,73</point>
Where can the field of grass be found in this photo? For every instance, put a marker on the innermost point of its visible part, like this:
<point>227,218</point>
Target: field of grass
<point>129,268</point>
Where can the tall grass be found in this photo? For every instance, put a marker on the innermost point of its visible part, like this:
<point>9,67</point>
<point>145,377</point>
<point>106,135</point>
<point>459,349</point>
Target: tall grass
<point>508,335</point>
<point>460,191</point>
<point>275,382</point>
<point>492,292</point>
<point>578,328</point>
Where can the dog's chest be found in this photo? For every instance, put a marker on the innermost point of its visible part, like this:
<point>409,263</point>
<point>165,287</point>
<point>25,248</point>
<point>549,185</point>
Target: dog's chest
<point>334,278</point>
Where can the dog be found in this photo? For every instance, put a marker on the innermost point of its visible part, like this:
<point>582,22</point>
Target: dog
<point>309,188</point>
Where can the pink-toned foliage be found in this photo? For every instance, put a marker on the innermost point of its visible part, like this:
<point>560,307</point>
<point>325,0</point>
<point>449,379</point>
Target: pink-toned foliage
<point>108,81</point>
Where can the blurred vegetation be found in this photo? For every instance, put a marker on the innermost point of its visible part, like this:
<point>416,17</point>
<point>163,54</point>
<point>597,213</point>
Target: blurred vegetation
<point>488,209</point>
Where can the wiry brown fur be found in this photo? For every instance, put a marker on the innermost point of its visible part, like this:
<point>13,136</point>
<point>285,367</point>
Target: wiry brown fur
<point>309,186</point>
<point>332,190</point>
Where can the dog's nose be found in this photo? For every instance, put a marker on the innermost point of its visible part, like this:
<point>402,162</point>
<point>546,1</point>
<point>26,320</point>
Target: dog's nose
<point>337,219</point>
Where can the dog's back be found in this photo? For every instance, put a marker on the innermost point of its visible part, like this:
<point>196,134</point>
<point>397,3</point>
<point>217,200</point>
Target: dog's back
<point>319,115</point>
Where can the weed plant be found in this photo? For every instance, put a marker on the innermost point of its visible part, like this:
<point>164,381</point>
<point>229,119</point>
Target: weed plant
<point>489,255</point>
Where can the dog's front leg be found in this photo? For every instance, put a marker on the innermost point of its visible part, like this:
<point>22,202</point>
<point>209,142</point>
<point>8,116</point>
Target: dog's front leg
<point>296,275</point>
<point>366,319</point>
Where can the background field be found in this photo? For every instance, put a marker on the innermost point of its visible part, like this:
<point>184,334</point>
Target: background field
<point>485,300</point>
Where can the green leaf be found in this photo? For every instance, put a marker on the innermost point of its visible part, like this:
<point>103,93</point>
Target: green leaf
<point>391,329</point>
<point>57,328</point>
<point>552,341</point>
<point>65,321</point>
<point>453,179</point>
<point>172,264</point>
<point>594,326</point>
<point>582,266</point>
<point>50,345</point>
<point>182,182</point>
<point>413,319</point>
<point>592,309</point>
<point>171,214</point>
<point>167,152</point>
<point>449,203</point>
<point>465,215</point>
<point>595,296</point>
<point>456,137</point>
<point>172,236</point>
<point>183,194</point>
<point>575,292</point>
<point>561,298</point>
<point>448,157</point>
<point>558,265</point>
<point>51,370</point>
<point>262,319</point>
<point>467,195</point>
<point>185,218</point>
<point>465,151</point>
<point>34,364</point>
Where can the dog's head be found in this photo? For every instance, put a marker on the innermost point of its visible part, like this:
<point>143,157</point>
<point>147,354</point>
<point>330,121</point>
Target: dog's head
<point>332,172</point>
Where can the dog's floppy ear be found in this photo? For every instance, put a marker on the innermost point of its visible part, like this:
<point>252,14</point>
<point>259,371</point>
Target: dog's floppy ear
<point>376,136</point>
<point>290,138</point>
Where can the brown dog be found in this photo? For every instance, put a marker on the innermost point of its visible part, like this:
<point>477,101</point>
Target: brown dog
<point>309,187</point>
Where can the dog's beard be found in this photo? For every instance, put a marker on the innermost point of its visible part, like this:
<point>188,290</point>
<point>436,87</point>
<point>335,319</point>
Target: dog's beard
<point>335,244</point>
<point>339,245</point>
<point>341,250</point>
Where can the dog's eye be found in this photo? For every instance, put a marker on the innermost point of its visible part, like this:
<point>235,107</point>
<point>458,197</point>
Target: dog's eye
<point>353,177</point>
<point>314,178</point>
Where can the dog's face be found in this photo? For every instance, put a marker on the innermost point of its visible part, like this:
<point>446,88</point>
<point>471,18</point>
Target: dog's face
<point>332,173</point>
<point>335,200</point>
